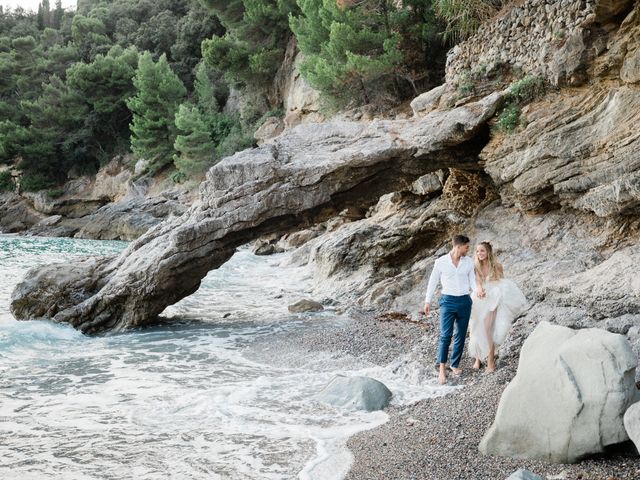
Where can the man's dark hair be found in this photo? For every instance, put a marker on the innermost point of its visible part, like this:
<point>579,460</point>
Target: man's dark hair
<point>459,240</point>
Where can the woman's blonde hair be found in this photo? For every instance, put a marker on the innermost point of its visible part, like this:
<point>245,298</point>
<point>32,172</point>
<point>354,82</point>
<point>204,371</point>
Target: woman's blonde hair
<point>496,272</point>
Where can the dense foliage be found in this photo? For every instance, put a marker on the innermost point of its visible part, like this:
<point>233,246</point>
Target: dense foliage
<point>369,50</point>
<point>170,80</point>
<point>72,89</point>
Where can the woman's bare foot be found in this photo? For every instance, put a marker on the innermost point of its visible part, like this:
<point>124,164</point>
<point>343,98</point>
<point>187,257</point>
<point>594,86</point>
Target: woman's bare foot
<point>490,368</point>
<point>477,364</point>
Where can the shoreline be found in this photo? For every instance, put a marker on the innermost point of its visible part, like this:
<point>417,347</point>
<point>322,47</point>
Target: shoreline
<point>437,438</point>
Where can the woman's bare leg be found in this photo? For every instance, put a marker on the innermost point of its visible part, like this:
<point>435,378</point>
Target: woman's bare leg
<point>477,364</point>
<point>488,325</point>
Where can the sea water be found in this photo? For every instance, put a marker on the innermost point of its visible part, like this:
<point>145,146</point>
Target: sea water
<point>211,394</point>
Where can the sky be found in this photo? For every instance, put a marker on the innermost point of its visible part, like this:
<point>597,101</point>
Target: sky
<point>33,4</point>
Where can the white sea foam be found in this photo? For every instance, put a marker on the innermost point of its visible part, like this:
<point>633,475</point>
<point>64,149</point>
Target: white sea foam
<point>189,399</point>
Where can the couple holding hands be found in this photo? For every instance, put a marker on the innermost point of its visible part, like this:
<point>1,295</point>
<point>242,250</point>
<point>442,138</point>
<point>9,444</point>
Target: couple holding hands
<point>490,309</point>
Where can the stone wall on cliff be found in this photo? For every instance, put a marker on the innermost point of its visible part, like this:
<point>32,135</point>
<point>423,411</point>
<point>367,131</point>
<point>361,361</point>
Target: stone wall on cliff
<point>551,39</point>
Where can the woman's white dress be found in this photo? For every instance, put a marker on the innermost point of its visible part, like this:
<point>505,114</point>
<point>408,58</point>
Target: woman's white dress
<point>508,301</point>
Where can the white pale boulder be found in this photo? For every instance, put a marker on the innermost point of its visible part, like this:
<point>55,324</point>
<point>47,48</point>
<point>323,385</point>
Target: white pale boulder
<point>632,423</point>
<point>356,393</point>
<point>568,397</point>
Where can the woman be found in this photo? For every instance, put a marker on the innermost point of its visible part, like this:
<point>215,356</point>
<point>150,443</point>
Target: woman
<point>496,303</point>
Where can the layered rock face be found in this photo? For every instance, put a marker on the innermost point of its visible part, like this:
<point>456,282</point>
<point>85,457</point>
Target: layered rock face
<point>568,398</point>
<point>271,188</point>
<point>110,207</point>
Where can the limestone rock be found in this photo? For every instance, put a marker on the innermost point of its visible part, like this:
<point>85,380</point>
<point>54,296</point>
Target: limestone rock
<point>632,423</point>
<point>297,239</point>
<point>577,151</point>
<point>568,397</point>
<point>630,71</point>
<point>267,245</point>
<point>428,184</point>
<point>128,219</point>
<point>112,180</point>
<point>17,214</point>
<point>70,207</point>
<point>428,101</point>
<point>305,305</point>
<point>522,474</point>
<point>356,393</point>
<point>301,100</point>
<point>270,129</point>
<point>271,188</point>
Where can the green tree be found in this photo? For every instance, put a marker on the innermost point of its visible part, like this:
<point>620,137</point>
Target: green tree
<point>159,92</point>
<point>56,132</point>
<point>253,46</point>
<point>58,15</point>
<point>105,85</point>
<point>198,25</point>
<point>357,50</point>
<point>89,37</point>
<point>193,144</point>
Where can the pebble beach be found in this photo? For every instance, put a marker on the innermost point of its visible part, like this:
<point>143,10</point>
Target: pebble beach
<point>437,438</point>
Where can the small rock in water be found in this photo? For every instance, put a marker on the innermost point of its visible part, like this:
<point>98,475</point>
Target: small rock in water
<point>358,393</point>
<point>523,474</point>
<point>305,306</point>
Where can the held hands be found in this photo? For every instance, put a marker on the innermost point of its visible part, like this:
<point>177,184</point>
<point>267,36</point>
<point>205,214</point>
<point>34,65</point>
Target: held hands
<point>482,293</point>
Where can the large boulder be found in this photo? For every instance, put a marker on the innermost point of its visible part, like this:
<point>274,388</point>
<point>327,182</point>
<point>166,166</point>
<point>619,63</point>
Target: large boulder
<point>568,397</point>
<point>357,393</point>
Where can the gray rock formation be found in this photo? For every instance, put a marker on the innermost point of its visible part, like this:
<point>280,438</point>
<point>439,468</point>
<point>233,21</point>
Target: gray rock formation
<point>632,423</point>
<point>428,101</point>
<point>305,305</point>
<point>568,397</point>
<point>128,219</point>
<point>110,207</point>
<point>577,151</point>
<point>247,195</point>
<point>356,393</point>
<point>16,213</point>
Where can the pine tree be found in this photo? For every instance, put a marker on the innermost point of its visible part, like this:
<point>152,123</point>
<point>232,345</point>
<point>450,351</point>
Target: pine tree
<point>355,50</point>
<point>58,14</point>
<point>159,92</point>
<point>256,36</point>
<point>193,144</point>
<point>56,131</point>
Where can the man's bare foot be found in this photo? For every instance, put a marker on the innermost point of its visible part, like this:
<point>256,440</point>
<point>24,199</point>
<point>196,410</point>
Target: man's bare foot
<point>456,371</point>
<point>477,364</point>
<point>442,378</point>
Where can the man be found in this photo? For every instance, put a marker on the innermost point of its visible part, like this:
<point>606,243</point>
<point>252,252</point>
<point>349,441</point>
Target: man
<point>456,272</point>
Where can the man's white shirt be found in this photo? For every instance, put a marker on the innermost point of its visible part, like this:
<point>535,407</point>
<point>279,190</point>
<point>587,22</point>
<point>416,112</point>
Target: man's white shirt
<point>456,281</point>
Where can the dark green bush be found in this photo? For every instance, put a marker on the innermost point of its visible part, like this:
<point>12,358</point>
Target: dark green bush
<point>33,182</point>
<point>6,182</point>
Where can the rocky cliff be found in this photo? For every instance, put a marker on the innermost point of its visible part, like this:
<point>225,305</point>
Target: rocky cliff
<point>113,205</point>
<point>558,196</point>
